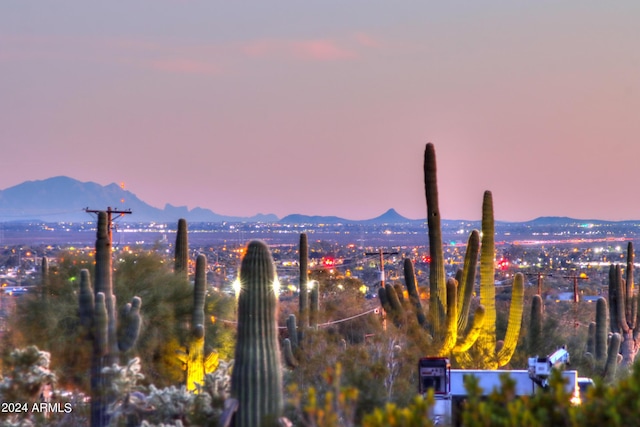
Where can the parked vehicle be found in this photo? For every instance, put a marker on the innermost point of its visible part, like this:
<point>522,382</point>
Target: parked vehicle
<point>435,374</point>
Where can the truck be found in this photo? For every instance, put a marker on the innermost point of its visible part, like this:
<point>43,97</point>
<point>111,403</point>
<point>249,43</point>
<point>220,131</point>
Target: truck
<point>435,374</point>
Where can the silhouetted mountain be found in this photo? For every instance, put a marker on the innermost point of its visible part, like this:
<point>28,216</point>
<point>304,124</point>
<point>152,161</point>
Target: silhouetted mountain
<point>313,219</point>
<point>64,199</point>
<point>389,217</point>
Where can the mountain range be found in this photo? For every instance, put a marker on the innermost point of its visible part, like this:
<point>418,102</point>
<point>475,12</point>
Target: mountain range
<point>64,199</point>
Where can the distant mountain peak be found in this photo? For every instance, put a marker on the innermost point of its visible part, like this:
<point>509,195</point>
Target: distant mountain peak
<point>391,216</point>
<point>62,198</point>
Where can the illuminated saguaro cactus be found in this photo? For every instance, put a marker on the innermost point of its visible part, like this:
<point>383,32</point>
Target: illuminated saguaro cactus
<point>256,381</point>
<point>487,340</point>
<point>197,364</point>
<point>449,301</point>
<point>454,339</point>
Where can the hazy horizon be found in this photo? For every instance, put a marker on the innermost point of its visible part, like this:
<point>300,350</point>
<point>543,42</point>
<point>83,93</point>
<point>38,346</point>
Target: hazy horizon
<point>321,109</point>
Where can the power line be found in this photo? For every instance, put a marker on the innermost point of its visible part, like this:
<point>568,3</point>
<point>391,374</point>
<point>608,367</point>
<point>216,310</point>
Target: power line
<point>382,254</point>
<point>321,325</point>
<point>110,212</point>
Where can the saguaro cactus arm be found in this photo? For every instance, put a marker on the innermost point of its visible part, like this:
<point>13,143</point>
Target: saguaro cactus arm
<point>451,335</point>
<point>131,321</point>
<point>515,320</point>
<point>467,280</point>
<point>197,364</point>
<point>473,334</point>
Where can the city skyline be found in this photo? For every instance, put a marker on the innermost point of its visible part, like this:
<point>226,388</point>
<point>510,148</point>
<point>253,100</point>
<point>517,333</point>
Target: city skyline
<point>319,109</point>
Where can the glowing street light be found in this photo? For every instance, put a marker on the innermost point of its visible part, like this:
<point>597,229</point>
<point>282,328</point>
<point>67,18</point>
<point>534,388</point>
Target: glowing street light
<point>236,286</point>
<point>276,285</point>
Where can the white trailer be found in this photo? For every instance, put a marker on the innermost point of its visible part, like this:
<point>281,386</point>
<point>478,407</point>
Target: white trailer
<point>450,392</point>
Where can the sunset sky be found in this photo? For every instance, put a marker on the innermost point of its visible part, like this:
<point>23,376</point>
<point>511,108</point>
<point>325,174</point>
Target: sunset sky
<point>325,107</point>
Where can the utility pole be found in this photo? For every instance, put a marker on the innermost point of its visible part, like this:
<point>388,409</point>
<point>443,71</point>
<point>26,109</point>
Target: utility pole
<point>110,217</point>
<point>575,277</point>
<point>382,254</point>
<point>576,295</point>
<point>540,276</point>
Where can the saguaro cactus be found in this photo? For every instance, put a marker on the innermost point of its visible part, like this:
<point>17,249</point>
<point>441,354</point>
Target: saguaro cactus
<point>97,312</point>
<point>603,348</point>
<point>303,308</point>
<point>623,308</point>
<point>256,381</point>
<point>454,338</point>
<point>448,306</point>
<point>536,320</point>
<point>491,357</point>
<point>197,364</point>
<point>307,309</point>
<point>181,255</point>
<point>437,278</point>
<point>44,277</point>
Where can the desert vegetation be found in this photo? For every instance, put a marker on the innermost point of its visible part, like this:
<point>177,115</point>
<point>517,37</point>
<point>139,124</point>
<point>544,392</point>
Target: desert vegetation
<point>142,339</point>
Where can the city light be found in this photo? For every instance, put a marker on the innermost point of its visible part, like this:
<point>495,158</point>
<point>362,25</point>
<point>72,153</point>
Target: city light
<point>236,286</point>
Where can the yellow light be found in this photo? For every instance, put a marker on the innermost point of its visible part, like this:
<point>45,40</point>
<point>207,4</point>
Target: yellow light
<point>276,285</point>
<point>236,286</point>
<point>576,399</point>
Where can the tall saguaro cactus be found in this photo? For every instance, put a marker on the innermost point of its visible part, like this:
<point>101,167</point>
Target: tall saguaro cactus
<point>439,316</point>
<point>448,323</point>
<point>197,364</point>
<point>487,341</point>
<point>97,312</point>
<point>449,301</point>
<point>181,254</point>
<point>623,308</point>
<point>437,278</point>
<point>256,381</point>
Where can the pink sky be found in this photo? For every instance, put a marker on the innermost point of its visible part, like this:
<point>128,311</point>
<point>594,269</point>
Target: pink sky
<point>308,107</point>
